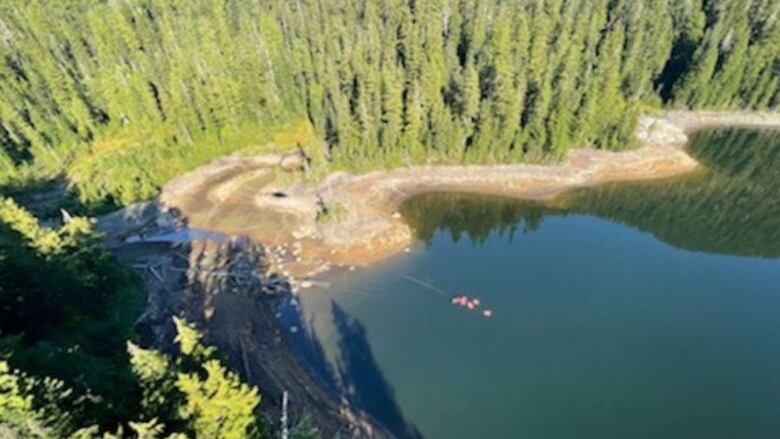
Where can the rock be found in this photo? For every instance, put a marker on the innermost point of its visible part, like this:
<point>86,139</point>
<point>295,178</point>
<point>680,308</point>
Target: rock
<point>305,232</point>
<point>306,284</point>
<point>659,131</point>
<point>397,215</point>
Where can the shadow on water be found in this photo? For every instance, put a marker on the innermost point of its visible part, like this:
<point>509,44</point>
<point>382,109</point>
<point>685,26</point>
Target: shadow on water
<point>357,377</point>
<point>362,378</point>
<point>220,285</point>
<point>308,347</point>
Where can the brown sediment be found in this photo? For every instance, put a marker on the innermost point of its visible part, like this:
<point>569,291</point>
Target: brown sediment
<point>362,226</point>
<point>692,121</point>
<point>237,196</point>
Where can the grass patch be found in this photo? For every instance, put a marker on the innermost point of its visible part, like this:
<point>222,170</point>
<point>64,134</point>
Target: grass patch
<point>332,213</point>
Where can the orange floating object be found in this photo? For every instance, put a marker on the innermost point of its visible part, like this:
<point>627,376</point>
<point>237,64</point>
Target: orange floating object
<point>487,313</point>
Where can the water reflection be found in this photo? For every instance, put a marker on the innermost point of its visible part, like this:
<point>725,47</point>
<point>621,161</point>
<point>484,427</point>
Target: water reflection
<point>732,207</point>
<point>600,331</point>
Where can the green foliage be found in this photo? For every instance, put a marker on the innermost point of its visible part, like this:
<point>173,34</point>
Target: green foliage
<point>156,376</point>
<point>304,428</point>
<point>332,213</point>
<point>33,408</point>
<point>62,296</point>
<point>194,394</point>
<point>15,407</point>
<point>66,310</point>
<point>122,96</point>
<point>219,405</point>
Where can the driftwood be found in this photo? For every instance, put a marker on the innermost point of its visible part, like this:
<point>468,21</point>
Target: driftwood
<point>156,274</point>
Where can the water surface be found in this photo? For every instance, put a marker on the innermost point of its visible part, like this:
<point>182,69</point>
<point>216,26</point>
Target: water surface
<point>640,310</point>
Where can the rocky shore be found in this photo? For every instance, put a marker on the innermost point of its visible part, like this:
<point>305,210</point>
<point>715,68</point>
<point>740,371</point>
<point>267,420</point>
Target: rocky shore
<point>352,220</point>
<point>184,243</point>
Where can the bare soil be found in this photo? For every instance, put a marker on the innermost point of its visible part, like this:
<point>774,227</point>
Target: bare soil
<point>351,219</point>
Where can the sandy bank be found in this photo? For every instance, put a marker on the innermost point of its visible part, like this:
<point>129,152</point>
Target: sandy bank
<point>361,227</point>
<point>692,121</point>
<point>231,196</point>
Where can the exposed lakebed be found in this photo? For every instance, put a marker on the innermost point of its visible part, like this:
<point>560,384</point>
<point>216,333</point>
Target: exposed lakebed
<point>630,310</point>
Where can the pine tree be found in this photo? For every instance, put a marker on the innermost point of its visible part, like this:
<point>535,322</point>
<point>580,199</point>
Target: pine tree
<point>121,96</point>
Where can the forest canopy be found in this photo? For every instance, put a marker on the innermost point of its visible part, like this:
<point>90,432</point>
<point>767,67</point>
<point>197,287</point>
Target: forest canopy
<point>67,315</point>
<point>121,95</point>
<point>116,97</point>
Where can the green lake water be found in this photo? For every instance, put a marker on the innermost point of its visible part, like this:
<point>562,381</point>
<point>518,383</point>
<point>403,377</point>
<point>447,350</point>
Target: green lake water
<point>640,310</point>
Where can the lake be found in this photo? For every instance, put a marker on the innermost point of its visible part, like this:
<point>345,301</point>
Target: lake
<point>639,310</point>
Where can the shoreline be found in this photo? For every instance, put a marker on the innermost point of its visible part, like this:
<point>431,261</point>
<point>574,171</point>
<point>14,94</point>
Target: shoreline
<point>223,288</point>
<point>232,196</point>
<point>238,195</point>
<point>371,230</point>
<point>363,226</point>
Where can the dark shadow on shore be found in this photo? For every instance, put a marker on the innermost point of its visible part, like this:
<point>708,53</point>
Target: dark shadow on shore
<point>221,286</point>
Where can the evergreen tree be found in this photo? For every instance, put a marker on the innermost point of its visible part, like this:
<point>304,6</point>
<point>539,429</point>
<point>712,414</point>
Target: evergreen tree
<point>123,95</point>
